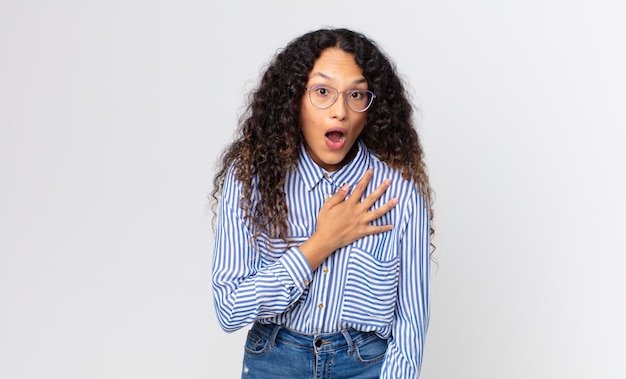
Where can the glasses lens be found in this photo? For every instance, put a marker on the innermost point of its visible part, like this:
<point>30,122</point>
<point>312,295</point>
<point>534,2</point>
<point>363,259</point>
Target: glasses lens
<point>322,97</point>
<point>359,100</point>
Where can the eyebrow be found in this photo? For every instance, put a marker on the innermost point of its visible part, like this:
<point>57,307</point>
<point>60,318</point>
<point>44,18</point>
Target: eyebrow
<point>358,81</point>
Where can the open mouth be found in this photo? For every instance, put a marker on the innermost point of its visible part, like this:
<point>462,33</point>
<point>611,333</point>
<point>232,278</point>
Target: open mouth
<point>335,137</point>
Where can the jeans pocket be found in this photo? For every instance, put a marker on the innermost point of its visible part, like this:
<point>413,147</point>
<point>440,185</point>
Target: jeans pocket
<point>371,350</point>
<point>256,343</point>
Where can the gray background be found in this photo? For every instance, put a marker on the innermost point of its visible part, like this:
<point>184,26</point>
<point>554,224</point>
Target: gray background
<point>112,114</point>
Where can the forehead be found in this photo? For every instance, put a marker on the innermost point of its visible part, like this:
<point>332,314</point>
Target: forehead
<point>336,64</point>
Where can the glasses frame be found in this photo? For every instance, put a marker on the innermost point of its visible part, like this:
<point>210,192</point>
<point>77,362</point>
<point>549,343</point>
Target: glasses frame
<point>345,97</point>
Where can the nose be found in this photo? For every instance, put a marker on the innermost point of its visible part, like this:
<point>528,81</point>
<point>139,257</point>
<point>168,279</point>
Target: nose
<point>339,109</point>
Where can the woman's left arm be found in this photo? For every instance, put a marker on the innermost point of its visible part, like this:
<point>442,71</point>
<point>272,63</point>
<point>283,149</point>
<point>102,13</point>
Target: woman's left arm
<point>406,344</point>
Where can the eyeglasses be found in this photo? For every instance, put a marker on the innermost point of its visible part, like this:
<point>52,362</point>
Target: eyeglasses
<point>359,100</point>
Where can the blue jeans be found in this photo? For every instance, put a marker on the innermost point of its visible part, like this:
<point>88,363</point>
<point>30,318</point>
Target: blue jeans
<point>275,352</point>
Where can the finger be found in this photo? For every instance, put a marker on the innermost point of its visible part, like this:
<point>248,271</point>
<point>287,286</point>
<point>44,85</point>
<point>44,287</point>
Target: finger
<point>360,187</point>
<point>338,196</point>
<point>377,229</point>
<point>376,194</point>
<point>383,209</point>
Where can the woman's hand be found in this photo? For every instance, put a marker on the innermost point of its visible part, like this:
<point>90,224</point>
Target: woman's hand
<point>342,221</point>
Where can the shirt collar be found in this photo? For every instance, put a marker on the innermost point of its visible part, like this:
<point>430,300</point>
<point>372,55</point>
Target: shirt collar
<point>311,173</point>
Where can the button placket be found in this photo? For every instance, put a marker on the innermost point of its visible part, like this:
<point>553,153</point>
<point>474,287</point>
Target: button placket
<point>326,190</point>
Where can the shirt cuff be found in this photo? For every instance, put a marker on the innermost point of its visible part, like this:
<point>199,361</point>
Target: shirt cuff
<point>297,267</point>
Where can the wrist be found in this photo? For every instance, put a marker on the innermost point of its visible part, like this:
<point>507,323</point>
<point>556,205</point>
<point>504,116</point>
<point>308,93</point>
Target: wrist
<point>316,249</point>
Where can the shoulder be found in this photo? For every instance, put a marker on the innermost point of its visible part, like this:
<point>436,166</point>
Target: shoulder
<point>233,187</point>
<point>406,190</point>
<point>383,170</point>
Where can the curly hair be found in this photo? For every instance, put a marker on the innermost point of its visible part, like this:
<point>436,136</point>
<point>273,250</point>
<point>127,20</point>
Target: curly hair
<point>269,134</point>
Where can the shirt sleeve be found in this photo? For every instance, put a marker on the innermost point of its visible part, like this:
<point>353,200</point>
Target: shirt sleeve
<point>244,287</point>
<point>406,344</point>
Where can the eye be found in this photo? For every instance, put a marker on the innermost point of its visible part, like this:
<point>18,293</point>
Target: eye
<point>357,95</point>
<point>322,91</point>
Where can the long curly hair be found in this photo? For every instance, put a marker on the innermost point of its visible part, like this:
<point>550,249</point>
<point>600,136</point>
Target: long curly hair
<point>269,134</point>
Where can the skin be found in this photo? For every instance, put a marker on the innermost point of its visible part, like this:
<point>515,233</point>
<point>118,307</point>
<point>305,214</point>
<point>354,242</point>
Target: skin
<point>340,222</point>
<point>337,69</point>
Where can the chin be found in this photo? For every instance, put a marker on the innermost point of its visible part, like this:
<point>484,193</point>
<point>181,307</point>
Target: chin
<point>335,160</point>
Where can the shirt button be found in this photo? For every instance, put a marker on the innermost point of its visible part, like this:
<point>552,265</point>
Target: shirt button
<point>306,282</point>
<point>320,305</point>
<point>325,270</point>
<point>327,175</point>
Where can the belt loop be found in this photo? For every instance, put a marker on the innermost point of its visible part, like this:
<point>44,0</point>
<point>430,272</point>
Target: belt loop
<point>274,334</point>
<point>348,337</point>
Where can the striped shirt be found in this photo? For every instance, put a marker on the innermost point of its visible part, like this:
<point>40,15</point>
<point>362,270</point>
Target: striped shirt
<point>378,283</point>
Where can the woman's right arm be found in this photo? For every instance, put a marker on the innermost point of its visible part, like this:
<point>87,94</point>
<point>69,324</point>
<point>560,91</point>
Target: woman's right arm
<point>244,290</point>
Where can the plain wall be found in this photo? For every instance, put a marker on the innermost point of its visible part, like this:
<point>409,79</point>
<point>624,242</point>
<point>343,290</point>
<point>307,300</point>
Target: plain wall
<point>113,113</point>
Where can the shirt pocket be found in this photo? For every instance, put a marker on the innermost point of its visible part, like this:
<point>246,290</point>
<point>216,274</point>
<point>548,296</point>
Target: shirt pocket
<point>371,290</point>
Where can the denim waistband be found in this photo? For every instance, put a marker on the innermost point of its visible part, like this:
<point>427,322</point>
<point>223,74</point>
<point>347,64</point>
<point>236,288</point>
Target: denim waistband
<point>319,341</point>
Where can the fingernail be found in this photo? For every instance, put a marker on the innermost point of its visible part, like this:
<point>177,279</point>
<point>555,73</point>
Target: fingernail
<point>345,187</point>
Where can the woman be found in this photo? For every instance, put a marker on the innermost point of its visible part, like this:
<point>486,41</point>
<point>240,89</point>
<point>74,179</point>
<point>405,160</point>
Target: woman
<point>322,239</point>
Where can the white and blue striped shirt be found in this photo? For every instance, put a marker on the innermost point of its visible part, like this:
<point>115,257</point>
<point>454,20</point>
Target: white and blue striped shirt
<point>378,283</point>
